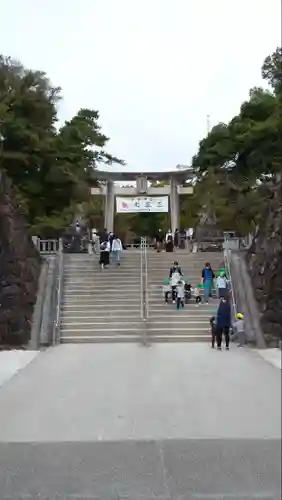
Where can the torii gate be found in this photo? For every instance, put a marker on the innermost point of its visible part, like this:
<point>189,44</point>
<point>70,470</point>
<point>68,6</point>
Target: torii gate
<point>143,197</point>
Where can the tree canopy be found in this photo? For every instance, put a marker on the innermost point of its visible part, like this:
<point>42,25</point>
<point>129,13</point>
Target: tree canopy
<point>50,167</point>
<point>236,160</point>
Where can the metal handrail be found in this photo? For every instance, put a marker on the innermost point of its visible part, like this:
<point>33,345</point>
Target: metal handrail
<point>143,287</point>
<point>57,323</point>
<point>227,266</point>
<point>141,278</point>
<point>146,302</point>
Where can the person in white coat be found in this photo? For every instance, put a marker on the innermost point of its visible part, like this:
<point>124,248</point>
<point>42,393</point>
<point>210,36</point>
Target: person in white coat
<point>116,250</point>
<point>93,242</point>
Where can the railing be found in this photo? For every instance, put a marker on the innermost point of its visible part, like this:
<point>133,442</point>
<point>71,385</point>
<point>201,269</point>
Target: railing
<point>142,247</point>
<point>59,292</point>
<point>226,254</point>
<point>227,267</point>
<point>146,303</point>
<point>46,246</point>
<point>143,288</point>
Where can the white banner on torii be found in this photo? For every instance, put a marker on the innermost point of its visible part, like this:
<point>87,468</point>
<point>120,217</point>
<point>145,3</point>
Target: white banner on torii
<point>143,204</point>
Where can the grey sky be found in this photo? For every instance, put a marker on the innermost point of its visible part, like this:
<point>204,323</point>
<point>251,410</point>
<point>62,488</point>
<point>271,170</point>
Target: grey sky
<point>153,68</point>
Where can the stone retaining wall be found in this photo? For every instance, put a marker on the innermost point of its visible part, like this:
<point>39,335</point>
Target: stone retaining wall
<point>19,270</point>
<point>264,260</point>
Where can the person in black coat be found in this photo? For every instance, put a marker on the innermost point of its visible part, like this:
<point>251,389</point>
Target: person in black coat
<point>103,235</point>
<point>176,238</point>
<point>159,240</point>
<point>223,322</point>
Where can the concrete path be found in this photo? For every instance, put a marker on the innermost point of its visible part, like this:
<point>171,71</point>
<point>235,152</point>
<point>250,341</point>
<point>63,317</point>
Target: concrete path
<point>171,421</point>
<point>273,356</point>
<point>11,362</point>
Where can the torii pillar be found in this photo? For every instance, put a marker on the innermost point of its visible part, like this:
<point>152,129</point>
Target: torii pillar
<point>174,204</point>
<point>109,207</point>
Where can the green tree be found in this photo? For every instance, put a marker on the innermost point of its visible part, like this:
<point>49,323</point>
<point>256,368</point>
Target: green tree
<point>50,168</point>
<point>236,160</point>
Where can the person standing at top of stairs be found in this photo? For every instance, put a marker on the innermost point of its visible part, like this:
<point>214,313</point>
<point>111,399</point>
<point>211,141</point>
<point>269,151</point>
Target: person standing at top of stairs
<point>159,238</point>
<point>103,235</point>
<point>169,241</point>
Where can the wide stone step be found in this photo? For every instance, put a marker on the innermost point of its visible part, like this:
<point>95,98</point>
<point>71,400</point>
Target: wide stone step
<point>120,328</point>
<point>88,339</point>
<point>173,323</point>
<point>174,315</point>
<point>96,289</point>
<point>102,274</point>
<point>104,295</point>
<point>105,285</point>
<point>72,330</point>
<point>89,280</point>
<point>105,321</point>
<point>110,301</point>
<point>98,308</point>
<point>134,338</point>
<point>102,315</point>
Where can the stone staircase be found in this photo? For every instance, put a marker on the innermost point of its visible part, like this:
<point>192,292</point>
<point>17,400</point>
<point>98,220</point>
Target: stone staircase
<point>164,322</point>
<point>101,305</point>
<point>105,306</point>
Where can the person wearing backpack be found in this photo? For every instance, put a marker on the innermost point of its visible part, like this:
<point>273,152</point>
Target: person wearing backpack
<point>169,241</point>
<point>175,268</point>
<point>207,280</point>
<point>105,249</point>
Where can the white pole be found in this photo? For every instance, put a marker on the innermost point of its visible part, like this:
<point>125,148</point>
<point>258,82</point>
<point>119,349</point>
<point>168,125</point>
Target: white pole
<point>208,124</point>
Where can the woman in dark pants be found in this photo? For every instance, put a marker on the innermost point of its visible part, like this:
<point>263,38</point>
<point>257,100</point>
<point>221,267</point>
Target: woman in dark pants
<point>223,322</point>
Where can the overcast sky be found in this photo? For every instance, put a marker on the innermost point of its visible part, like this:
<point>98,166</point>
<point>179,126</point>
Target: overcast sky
<point>153,68</point>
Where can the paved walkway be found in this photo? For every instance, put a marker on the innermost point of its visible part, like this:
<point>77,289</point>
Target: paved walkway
<point>11,362</point>
<point>161,422</point>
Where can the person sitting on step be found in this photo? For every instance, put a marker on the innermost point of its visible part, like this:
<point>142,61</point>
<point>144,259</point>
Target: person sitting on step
<point>188,291</point>
<point>196,293</point>
<point>166,290</point>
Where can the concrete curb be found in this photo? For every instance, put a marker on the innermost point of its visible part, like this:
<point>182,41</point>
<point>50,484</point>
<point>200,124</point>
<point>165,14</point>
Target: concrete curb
<point>272,356</point>
<point>11,362</point>
<point>38,309</point>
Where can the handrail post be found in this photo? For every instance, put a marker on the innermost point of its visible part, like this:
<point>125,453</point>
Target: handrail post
<point>57,322</point>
